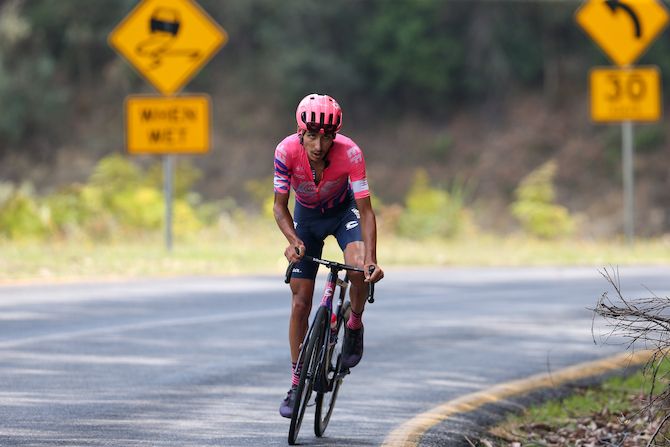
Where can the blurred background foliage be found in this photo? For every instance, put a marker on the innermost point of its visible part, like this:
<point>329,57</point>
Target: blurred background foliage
<point>455,104</point>
<point>535,205</point>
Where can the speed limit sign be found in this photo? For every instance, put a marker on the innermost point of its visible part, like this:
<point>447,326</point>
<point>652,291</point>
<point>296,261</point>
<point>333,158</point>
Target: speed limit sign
<point>625,94</point>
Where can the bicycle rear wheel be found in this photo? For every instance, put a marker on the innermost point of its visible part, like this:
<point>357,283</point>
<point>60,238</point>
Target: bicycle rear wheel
<point>325,402</point>
<point>310,356</point>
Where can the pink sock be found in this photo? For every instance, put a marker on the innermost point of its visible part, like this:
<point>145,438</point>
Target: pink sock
<point>355,320</point>
<point>295,375</point>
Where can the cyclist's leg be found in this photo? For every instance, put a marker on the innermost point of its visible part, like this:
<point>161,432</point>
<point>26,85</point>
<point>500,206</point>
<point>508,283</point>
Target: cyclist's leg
<point>302,288</point>
<point>302,278</point>
<point>350,238</point>
<point>354,254</point>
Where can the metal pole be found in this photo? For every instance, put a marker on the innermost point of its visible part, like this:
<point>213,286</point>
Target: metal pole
<point>168,174</point>
<point>628,180</point>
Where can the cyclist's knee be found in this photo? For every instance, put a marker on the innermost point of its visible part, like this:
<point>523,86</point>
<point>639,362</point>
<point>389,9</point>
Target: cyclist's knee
<point>301,304</point>
<point>354,254</point>
<point>302,291</point>
<point>356,277</point>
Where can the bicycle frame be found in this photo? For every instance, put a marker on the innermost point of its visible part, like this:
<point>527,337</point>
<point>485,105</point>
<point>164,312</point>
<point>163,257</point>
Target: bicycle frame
<point>319,349</point>
<point>333,281</point>
<point>334,310</point>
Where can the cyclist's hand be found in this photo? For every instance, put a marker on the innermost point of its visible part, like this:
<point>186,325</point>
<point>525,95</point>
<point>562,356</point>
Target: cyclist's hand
<point>295,252</point>
<point>376,275</point>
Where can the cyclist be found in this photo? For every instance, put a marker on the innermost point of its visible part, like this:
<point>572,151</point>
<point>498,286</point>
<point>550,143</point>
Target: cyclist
<point>327,172</point>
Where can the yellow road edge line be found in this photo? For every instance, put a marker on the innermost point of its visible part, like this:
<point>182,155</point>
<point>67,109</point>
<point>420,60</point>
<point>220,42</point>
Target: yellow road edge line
<point>410,433</point>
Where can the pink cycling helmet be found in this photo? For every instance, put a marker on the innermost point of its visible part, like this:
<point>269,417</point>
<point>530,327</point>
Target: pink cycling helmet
<point>319,113</point>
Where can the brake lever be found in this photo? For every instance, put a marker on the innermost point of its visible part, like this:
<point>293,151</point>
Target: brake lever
<point>289,272</point>
<point>371,287</point>
<point>289,269</point>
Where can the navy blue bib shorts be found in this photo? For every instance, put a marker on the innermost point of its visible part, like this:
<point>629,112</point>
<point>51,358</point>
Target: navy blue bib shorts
<point>313,226</point>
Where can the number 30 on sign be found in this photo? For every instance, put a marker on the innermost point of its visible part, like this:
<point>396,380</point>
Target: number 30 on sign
<point>622,94</point>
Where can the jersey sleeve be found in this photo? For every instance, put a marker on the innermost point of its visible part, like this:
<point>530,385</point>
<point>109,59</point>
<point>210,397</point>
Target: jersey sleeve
<point>357,176</point>
<point>282,179</point>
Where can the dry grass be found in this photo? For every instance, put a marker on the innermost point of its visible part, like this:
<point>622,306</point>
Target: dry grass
<point>257,247</point>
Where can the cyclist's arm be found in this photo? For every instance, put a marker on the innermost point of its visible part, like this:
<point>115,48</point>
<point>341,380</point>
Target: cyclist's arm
<point>359,184</point>
<point>285,224</point>
<point>282,188</point>
<point>369,230</point>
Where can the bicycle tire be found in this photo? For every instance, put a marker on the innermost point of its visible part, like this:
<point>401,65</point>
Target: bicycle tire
<point>310,355</point>
<point>321,417</point>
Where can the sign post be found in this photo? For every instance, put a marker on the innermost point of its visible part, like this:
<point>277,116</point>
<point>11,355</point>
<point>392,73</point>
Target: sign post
<point>167,42</point>
<point>624,29</point>
<point>168,180</point>
<point>628,179</point>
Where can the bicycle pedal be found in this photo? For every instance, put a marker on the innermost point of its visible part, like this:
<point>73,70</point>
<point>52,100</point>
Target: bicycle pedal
<point>342,374</point>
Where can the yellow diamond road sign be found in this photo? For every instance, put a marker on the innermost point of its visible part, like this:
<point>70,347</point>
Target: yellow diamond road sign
<point>623,94</point>
<point>622,28</point>
<point>168,41</point>
<point>173,125</point>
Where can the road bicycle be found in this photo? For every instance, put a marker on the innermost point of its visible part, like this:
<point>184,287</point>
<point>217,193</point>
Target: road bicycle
<point>321,351</point>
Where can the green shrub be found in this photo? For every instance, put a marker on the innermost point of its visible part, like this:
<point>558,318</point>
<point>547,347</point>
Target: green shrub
<point>185,176</point>
<point>115,173</point>
<point>124,197</point>
<point>209,213</point>
<point>431,211</point>
<point>185,219</point>
<point>535,208</point>
<point>140,208</point>
<point>119,200</point>
<point>67,211</point>
<point>21,217</point>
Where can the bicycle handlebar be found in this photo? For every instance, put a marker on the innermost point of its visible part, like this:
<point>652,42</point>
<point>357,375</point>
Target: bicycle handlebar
<point>337,267</point>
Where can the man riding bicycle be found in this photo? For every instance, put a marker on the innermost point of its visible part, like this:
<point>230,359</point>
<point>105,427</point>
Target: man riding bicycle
<point>327,172</point>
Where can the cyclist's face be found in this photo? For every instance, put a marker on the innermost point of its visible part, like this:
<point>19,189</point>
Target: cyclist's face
<point>317,144</point>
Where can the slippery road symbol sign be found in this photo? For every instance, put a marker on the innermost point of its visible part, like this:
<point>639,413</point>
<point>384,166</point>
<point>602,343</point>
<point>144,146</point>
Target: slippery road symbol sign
<point>167,41</point>
<point>622,28</point>
<point>164,27</point>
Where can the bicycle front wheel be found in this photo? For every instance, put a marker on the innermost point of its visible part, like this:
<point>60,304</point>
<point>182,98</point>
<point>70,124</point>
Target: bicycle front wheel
<point>310,356</point>
<point>325,402</point>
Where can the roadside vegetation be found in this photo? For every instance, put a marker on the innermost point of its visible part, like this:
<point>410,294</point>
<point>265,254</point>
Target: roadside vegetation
<point>627,412</point>
<point>111,226</point>
<point>622,411</point>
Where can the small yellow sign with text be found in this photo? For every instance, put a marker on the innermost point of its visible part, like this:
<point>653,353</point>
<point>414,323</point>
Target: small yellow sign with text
<point>620,94</point>
<point>173,125</point>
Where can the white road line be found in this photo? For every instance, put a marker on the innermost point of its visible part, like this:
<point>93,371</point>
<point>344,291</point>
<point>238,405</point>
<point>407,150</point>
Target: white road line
<point>233,316</point>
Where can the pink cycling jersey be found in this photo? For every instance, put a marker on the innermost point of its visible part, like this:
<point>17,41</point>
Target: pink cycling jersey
<point>345,169</point>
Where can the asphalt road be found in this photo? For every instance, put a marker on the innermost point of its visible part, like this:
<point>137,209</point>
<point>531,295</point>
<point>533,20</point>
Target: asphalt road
<point>204,361</point>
